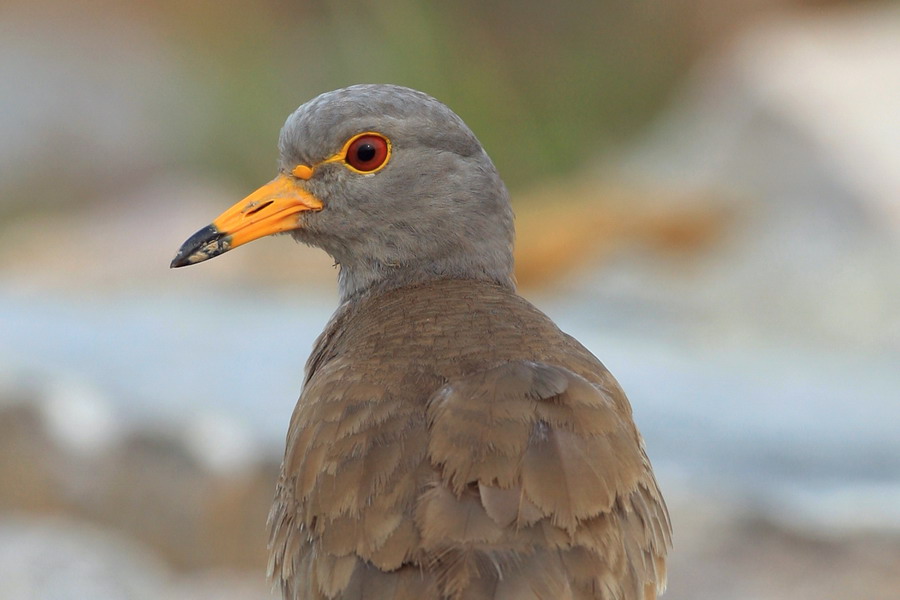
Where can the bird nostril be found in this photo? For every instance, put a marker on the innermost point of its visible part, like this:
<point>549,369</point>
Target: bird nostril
<point>255,207</point>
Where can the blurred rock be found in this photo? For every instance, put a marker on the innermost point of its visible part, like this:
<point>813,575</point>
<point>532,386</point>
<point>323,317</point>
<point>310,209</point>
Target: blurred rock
<point>144,539</point>
<point>601,221</point>
<point>724,550</point>
<point>148,485</point>
<point>222,585</point>
<point>798,116</point>
<point>63,559</point>
<point>58,559</point>
<point>27,458</point>
<point>795,129</point>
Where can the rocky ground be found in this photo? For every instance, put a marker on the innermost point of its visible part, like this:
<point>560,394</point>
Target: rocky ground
<point>143,518</point>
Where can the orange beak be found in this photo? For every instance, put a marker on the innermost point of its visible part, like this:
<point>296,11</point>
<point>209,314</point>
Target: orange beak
<point>273,208</point>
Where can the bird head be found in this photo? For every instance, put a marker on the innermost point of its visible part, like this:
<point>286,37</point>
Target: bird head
<point>388,181</point>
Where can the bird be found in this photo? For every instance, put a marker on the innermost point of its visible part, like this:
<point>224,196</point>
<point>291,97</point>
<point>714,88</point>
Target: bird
<point>450,441</point>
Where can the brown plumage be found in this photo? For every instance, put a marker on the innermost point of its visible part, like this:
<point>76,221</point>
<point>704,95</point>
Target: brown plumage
<point>449,435</point>
<point>450,441</point>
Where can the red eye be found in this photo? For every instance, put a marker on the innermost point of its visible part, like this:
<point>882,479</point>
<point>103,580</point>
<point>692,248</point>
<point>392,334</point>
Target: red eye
<point>368,153</point>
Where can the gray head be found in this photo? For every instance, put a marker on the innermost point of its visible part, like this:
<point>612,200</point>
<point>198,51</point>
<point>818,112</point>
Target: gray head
<point>387,180</point>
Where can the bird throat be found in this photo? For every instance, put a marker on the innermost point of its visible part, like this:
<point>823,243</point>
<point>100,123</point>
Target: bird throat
<point>356,281</point>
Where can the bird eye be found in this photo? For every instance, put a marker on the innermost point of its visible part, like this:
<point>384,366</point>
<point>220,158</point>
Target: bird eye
<point>368,152</point>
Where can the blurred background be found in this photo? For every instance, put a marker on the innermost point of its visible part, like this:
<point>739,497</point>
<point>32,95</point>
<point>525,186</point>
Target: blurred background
<point>707,195</point>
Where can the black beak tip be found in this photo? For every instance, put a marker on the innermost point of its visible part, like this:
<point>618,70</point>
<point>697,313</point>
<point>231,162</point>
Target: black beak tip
<point>203,245</point>
<point>178,261</point>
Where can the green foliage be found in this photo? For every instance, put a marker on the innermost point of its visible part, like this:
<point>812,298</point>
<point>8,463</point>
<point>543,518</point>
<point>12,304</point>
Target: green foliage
<point>546,86</point>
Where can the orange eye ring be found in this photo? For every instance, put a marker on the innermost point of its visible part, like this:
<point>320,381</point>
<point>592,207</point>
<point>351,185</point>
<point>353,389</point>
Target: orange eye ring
<point>367,152</point>
<point>364,153</point>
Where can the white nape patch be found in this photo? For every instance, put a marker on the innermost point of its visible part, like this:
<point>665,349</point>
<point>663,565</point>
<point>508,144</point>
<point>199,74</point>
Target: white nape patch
<point>78,416</point>
<point>221,443</point>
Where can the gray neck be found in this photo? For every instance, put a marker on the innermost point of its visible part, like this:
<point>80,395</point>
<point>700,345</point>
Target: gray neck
<point>373,278</point>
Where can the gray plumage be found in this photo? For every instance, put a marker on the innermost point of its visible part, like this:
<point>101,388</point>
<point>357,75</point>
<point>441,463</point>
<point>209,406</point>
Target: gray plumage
<point>373,225</point>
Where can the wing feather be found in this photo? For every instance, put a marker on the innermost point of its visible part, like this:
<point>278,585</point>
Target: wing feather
<point>560,472</point>
<point>521,481</point>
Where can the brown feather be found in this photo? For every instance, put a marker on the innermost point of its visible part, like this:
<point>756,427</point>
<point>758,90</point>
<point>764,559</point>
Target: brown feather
<point>445,519</point>
<point>451,443</point>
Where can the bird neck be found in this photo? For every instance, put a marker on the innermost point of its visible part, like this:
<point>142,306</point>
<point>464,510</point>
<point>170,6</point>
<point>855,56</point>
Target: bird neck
<point>358,280</point>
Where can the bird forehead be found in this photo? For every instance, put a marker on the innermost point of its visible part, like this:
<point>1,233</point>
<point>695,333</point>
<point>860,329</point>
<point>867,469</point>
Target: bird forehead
<point>321,126</point>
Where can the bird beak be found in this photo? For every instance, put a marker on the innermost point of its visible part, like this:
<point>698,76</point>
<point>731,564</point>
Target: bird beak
<point>273,208</point>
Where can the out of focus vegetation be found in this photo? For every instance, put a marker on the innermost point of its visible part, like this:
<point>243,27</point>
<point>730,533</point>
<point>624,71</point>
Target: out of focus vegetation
<point>102,96</point>
<point>545,85</point>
